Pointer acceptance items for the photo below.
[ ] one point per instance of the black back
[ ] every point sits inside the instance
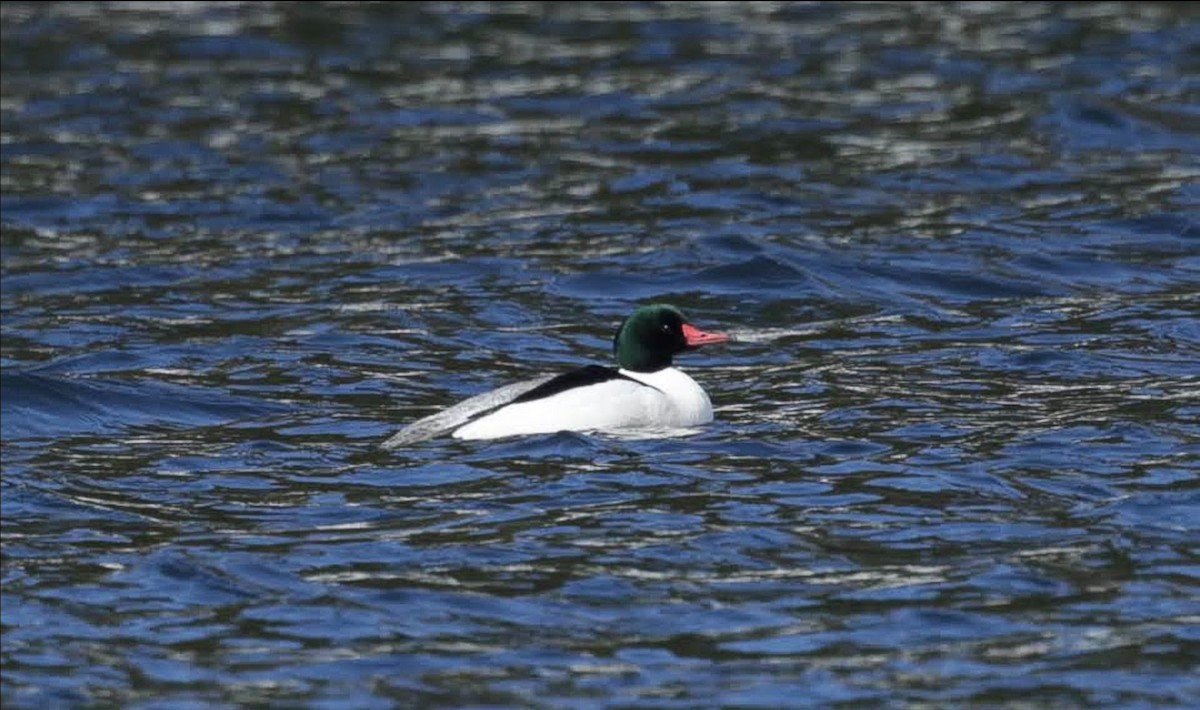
(581, 377)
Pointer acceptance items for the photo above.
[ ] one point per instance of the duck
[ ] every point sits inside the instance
(645, 391)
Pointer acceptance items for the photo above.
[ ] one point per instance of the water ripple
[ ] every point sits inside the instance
(955, 454)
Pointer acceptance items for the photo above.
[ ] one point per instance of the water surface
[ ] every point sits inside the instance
(956, 453)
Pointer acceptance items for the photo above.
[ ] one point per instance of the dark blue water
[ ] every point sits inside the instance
(956, 455)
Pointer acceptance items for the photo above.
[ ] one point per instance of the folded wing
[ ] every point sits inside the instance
(461, 413)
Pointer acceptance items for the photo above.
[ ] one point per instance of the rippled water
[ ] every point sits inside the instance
(956, 454)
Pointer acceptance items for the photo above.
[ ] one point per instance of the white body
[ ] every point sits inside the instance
(672, 400)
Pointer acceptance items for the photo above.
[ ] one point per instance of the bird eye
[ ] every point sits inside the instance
(666, 327)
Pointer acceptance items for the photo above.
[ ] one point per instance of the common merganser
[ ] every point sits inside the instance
(644, 392)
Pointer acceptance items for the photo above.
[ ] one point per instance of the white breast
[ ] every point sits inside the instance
(667, 398)
(689, 402)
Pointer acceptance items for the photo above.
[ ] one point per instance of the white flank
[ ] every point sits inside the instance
(672, 399)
